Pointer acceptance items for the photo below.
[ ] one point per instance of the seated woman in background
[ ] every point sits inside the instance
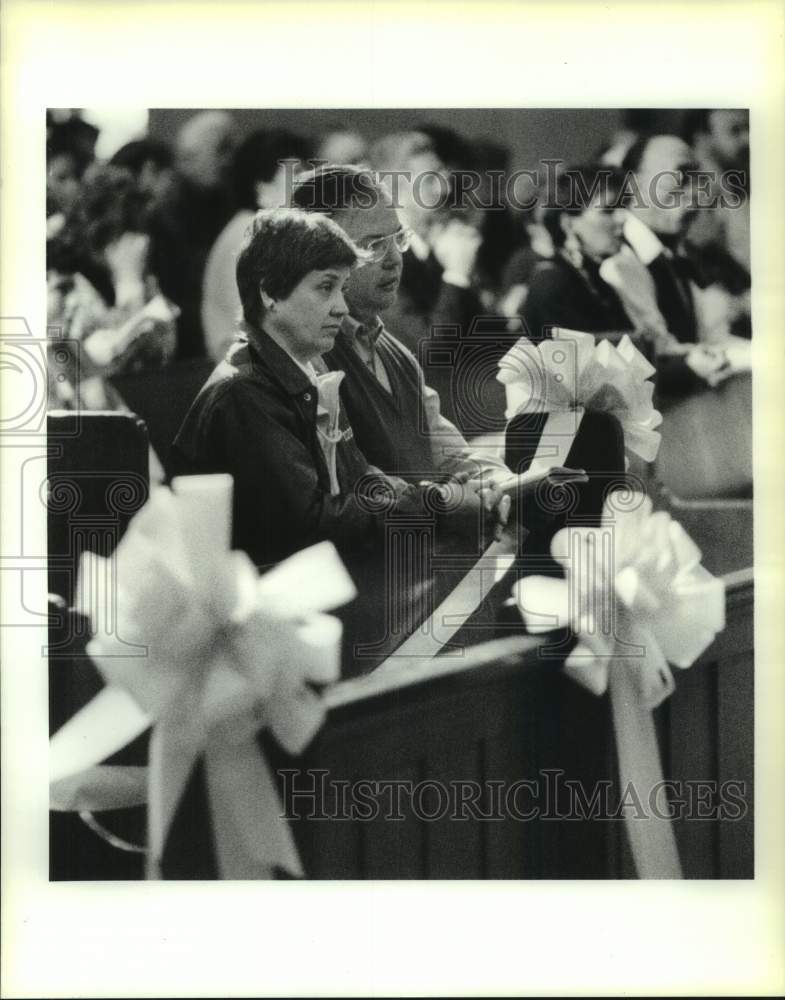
(584, 221)
(104, 309)
(535, 247)
(585, 225)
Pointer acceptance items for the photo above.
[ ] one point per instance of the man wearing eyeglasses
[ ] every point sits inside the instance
(395, 416)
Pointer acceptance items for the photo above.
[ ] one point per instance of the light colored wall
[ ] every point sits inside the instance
(531, 133)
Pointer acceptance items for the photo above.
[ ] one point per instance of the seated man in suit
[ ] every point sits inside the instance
(659, 285)
(721, 140)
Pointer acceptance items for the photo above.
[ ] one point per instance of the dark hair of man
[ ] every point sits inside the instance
(576, 188)
(134, 155)
(74, 139)
(634, 155)
(258, 158)
(456, 152)
(337, 187)
(282, 246)
(108, 205)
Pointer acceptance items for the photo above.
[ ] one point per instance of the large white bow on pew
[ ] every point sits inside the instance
(561, 377)
(571, 373)
(191, 640)
(638, 599)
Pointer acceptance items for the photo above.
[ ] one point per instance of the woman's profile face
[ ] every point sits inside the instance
(309, 318)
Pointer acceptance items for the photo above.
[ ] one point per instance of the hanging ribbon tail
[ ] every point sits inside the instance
(100, 788)
(252, 838)
(558, 435)
(171, 759)
(651, 672)
(651, 838)
(434, 634)
(294, 718)
(105, 725)
(667, 608)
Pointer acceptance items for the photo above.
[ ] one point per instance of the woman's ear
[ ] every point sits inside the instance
(267, 300)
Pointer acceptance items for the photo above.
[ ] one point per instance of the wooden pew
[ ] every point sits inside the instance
(520, 719)
(721, 528)
(97, 480)
(706, 449)
(162, 398)
(514, 719)
(706, 733)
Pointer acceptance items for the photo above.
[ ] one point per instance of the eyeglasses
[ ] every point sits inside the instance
(376, 250)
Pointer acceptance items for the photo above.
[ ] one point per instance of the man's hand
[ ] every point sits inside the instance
(494, 501)
(710, 363)
(463, 497)
(535, 497)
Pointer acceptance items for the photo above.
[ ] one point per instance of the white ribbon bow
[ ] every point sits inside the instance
(571, 373)
(193, 642)
(638, 600)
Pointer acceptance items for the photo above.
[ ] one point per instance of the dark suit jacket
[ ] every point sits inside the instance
(432, 318)
(561, 294)
(672, 276)
(183, 229)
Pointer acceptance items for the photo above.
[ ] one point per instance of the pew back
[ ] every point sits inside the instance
(162, 399)
(98, 478)
(455, 746)
(706, 446)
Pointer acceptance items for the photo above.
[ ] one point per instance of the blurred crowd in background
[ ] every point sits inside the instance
(142, 239)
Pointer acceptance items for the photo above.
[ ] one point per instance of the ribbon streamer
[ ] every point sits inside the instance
(434, 634)
(192, 642)
(328, 422)
(637, 598)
